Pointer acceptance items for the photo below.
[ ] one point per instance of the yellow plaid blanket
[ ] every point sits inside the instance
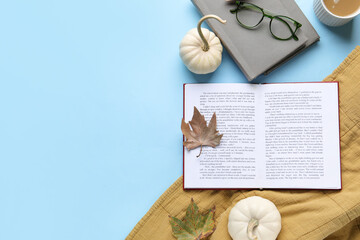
(310, 215)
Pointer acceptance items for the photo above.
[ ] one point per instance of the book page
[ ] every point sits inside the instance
(232, 164)
(302, 145)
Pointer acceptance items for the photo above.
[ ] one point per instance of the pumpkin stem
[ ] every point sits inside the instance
(253, 223)
(206, 44)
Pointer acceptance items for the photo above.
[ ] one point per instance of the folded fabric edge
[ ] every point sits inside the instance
(344, 64)
(334, 224)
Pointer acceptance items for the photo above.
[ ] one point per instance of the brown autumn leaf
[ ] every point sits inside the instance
(201, 134)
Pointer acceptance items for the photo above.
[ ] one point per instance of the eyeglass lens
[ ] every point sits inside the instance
(279, 27)
(249, 15)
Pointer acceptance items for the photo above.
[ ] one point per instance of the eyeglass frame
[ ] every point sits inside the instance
(272, 17)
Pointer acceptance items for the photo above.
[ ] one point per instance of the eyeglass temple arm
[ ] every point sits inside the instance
(256, 8)
(248, 7)
(271, 14)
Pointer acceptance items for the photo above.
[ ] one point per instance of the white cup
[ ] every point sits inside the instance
(330, 19)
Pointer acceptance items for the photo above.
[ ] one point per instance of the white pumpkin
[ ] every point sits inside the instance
(254, 218)
(200, 49)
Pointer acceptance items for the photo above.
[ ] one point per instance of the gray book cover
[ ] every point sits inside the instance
(256, 51)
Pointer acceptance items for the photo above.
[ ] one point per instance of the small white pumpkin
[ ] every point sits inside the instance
(254, 218)
(201, 53)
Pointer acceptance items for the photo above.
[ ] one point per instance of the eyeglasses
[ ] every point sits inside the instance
(250, 16)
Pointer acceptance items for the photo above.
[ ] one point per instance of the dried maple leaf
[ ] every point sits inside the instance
(195, 225)
(201, 134)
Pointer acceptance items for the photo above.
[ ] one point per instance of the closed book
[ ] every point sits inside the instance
(256, 51)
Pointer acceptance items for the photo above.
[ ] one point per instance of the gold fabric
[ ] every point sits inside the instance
(306, 214)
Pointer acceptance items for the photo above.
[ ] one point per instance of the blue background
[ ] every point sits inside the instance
(91, 105)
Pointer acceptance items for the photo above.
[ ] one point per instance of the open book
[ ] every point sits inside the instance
(283, 135)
